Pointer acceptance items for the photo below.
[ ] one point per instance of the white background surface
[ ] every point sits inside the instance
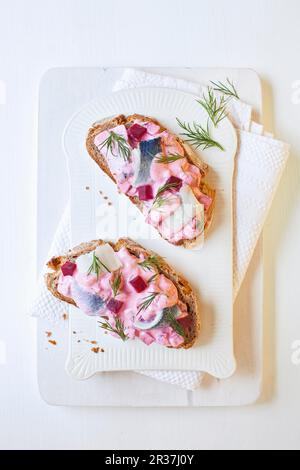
(34, 36)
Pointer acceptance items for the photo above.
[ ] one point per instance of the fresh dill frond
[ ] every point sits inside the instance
(150, 263)
(166, 159)
(166, 187)
(148, 301)
(169, 317)
(119, 329)
(227, 88)
(117, 141)
(159, 200)
(152, 278)
(215, 108)
(116, 283)
(97, 266)
(198, 136)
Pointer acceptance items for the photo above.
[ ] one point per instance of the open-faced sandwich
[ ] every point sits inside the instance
(132, 291)
(160, 173)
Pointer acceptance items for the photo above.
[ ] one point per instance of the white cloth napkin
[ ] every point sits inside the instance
(260, 163)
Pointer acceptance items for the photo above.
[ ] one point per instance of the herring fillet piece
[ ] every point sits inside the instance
(185, 213)
(105, 254)
(92, 302)
(148, 150)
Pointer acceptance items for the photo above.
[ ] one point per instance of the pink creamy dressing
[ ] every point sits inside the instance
(168, 297)
(124, 173)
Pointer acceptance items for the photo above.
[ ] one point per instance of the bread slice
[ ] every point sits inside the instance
(194, 159)
(185, 291)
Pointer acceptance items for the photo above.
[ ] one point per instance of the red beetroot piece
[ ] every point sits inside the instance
(139, 284)
(68, 268)
(136, 132)
(176, 181)
(186, 322)
(145, 193)
(115, 305)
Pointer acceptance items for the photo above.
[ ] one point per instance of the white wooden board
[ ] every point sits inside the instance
(63, 91)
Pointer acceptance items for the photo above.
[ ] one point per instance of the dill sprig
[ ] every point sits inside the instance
(215, 108)
(148, 301)
(97, 266)
(116, 284)
(198, 136)
(115, 140)
(159, 199)
(119, 329)
(169, 317)
(166, 159)
(150, 263)
(227, 88)
(152, 278)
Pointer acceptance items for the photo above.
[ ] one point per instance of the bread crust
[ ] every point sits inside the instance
(185, 291)
(100, 160)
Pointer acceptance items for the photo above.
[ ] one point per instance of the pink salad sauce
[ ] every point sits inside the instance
(126, 173)
(80, 287)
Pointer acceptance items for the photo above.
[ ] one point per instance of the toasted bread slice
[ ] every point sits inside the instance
(185, 291)
(194, 159)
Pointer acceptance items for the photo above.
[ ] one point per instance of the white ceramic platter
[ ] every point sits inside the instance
(207, 268)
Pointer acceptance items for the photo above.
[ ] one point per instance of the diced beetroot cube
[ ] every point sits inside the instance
(115, 305)
(186, 322)
(176, 181)
(136, 132)
(139, 284)
(133, 143)
(145, 193)
(68, 268)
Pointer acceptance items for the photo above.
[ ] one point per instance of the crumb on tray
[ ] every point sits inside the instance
(97, 350)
